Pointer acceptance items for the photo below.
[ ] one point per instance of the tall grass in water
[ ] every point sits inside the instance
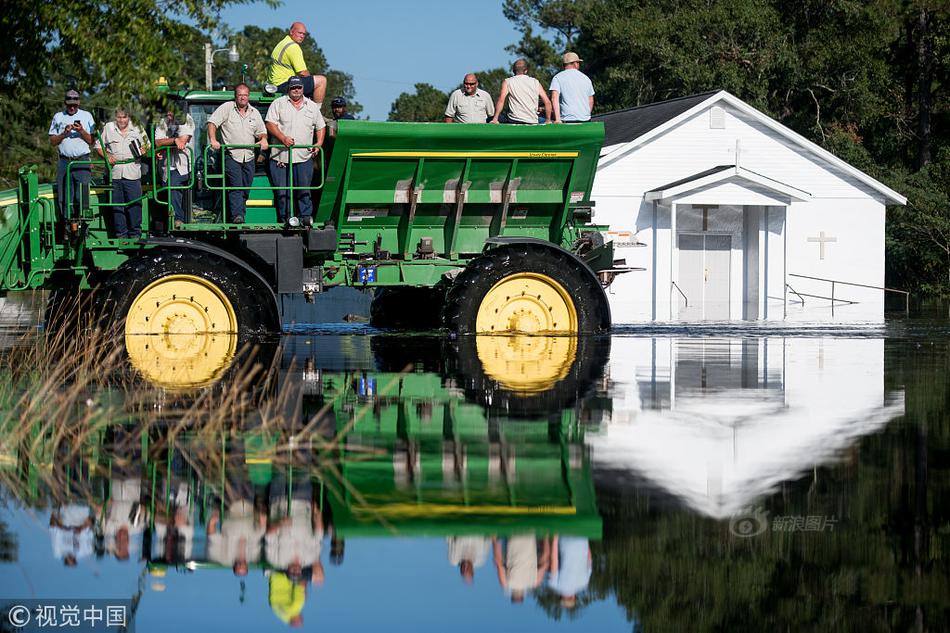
(63, 390)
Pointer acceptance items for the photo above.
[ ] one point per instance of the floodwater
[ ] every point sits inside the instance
(670, 478)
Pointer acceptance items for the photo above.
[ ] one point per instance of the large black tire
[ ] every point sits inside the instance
(185, 315)
(68, 310)
(253, 305)
(465, 296)
(407, 308)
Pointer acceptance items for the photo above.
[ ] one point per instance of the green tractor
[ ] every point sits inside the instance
(475, 228)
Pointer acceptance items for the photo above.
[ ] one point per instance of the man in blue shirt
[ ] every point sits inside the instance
(71, 133)
(572, 93)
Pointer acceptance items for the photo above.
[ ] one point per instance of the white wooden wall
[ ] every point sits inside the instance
(839, 205)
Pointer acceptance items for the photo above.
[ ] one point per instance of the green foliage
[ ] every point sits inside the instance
(427, 103)
(114, 53)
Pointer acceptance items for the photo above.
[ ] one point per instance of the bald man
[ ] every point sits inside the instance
(469, 104)
(287, 61)
(522, 94)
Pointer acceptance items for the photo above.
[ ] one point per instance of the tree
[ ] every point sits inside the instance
(427, 103)
(114, 53)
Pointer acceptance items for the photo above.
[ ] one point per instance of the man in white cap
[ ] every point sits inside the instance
(572, 93)
(71, 134)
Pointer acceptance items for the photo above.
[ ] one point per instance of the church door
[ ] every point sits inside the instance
(704, 277)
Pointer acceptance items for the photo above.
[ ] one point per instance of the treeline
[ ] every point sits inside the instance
(115, 53)
(866, 79)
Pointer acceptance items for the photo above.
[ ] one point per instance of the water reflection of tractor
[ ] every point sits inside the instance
(490, 226)
(403, 454)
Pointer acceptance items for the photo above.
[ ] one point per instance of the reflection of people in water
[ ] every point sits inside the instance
(70, 528)
(292, 544)
(236, 540)
(468, 553)
(293, 539)
(570, 568)
(519, 568)
(174, 528)
(286, 597)
(125, 518)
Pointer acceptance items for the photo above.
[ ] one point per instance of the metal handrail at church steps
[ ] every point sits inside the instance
(833, 282)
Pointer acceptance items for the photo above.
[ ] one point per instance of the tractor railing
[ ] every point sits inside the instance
(838, 282)
(89, 208)
(29, 243)
(217, 180)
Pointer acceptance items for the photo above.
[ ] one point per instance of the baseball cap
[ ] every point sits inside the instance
(295, 82)
(338, 102)
(72, 97)
(570, 58)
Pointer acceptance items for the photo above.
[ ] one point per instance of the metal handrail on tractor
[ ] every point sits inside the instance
(849, 283)
(224, 187)
(107, 166)
(682, 294)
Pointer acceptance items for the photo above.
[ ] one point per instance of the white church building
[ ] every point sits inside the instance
(731, 215)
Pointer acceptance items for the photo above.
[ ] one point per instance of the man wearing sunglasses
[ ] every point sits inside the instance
(287, 61)
(292, 120)
(469, 104)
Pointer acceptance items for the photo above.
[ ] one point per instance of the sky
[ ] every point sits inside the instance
(389, 46)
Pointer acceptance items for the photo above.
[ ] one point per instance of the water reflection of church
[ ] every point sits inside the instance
(717, 423)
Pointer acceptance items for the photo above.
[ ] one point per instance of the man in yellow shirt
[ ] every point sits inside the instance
(287, 61)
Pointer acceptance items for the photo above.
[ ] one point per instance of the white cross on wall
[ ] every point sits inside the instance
(822, 239)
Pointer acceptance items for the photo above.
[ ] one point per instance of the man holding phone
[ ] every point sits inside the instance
(71, 133)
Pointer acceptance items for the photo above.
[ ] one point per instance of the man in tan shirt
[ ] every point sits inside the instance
(469, 104)
(522, 93)
(240, 124)
(293, 120)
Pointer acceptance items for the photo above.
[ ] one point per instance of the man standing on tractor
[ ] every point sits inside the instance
(175, 131)
(338, 108)
(522, 94)
(292, 120)
(124, 144)
(71, 133)
(287, 61)
(240, 124)
(572, 93)
(469, 104)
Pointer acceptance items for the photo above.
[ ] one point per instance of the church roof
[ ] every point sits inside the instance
(625, 125)
(626, 130)
(722, 173)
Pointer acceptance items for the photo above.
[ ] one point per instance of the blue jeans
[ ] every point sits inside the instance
(79, 177)
(178, 195)
(280, 176)
(127, 218)
(238, 175)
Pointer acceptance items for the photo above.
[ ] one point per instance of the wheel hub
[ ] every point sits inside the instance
(181, 304)
(181, 332)
(530, 303)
